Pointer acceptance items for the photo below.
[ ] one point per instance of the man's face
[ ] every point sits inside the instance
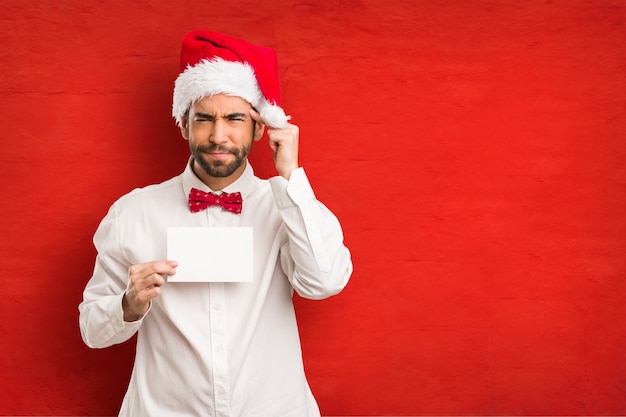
(220, 132)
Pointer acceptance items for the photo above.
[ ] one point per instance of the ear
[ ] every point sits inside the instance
(259, 129)
(184, 127)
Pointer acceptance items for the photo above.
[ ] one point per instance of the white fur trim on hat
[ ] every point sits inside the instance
(218, 76)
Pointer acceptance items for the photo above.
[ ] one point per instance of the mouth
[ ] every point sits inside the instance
(219, 155)
(215, 152)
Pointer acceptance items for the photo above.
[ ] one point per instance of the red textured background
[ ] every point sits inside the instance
(490, 269)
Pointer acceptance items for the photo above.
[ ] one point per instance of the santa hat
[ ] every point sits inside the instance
(213, 63)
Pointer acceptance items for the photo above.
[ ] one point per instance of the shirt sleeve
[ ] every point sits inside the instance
(315, 258)
(101, 316)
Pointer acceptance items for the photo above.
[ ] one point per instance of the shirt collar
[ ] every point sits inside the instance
(243, 184)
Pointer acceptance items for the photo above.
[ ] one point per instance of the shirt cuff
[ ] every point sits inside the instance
(294, 191)
(117, 316)
(112, 321)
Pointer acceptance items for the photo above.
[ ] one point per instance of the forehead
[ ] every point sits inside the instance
(221, 103)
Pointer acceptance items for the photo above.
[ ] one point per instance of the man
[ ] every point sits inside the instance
(217, 348)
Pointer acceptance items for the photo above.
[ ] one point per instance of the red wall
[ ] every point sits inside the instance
(473, 150)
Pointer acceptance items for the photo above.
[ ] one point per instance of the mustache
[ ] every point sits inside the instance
(217, 148)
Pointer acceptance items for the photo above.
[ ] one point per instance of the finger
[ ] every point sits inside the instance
(284, 140)
(154, 280)
(287, 134)
(142, 289)
(274, 144)
(256, 116)
(148, 294)
(155, 267)
(149, 287)
(143, 297)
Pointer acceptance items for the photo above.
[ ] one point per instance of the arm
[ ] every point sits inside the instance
(101, 316)
(315, 259)
(117, 296)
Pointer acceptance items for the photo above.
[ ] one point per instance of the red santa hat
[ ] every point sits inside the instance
(213, 63)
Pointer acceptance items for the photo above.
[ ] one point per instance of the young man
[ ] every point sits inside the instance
(217, 348)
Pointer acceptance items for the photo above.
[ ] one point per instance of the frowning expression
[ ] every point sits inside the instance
(220, 132)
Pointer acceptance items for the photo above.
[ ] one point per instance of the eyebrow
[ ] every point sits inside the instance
(229, 116)
(235, 115)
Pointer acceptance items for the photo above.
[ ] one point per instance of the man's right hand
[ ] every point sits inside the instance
(144, 284)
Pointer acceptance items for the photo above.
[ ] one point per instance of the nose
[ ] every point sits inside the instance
(218, 133)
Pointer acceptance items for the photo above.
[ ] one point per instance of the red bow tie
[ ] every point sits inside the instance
(199, 200)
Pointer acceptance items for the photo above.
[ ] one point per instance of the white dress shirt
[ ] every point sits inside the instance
(217, 349)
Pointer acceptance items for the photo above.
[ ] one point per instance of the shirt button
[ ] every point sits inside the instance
(221, 390)
(217, 307)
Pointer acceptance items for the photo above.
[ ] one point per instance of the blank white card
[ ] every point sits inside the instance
(210, 254)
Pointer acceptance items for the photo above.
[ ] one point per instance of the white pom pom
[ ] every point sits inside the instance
(274, 116)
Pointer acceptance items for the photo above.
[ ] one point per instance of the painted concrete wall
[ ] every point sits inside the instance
(473, 150)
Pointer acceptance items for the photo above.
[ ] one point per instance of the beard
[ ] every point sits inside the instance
(219, 168)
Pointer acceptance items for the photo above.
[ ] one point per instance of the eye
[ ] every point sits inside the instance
(236, 117)
(202, 117)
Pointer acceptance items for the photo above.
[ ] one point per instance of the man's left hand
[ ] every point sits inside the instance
(284, 143)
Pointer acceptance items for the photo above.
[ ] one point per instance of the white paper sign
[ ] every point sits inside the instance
(210, 254)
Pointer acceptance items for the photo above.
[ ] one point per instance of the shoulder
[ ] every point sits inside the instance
(170, 190)
(260, 190)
